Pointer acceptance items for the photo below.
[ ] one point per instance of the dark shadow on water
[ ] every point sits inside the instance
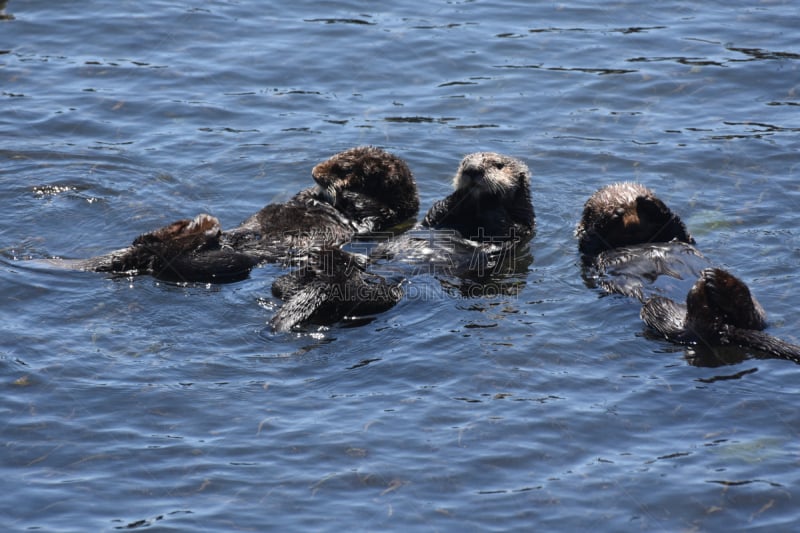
(714, 356)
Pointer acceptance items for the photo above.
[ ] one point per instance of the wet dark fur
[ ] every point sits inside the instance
(471, 232)
(630, 238)
(184, 249)
(717, 302)
(719, 311)
(623, 214)
(360, 190)
(330, 286)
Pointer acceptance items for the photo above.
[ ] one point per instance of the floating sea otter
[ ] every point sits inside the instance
(471, 233)
(468, 234)
(360, 190)
(633, 244)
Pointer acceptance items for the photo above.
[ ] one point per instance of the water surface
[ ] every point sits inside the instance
(133, 404)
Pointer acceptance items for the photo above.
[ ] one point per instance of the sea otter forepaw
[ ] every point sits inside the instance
(721, 287)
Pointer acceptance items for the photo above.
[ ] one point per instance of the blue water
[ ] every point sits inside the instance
(135, 404)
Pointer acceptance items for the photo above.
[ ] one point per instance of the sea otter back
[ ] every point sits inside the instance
(209, 266)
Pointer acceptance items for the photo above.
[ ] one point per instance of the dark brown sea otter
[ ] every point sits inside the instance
(719, 311)
(184, 250)
(360, 190)
(632, 243)
(468, 234)
(626, 214)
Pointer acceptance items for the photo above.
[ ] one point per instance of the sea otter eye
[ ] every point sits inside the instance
(499, 165)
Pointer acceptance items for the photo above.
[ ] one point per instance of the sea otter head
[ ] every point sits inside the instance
(368, 182)
(492, 174)
(625, 214)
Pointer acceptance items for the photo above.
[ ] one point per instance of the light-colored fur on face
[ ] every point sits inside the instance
(489, 172)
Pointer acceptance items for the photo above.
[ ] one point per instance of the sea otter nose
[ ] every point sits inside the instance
(472, 173)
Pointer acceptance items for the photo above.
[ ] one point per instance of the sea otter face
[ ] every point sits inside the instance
(372, 172)
(625, 214)
(489, 173)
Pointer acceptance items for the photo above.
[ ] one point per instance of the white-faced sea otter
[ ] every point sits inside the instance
(485, 223)
(468, 234)
(633, 244)
(360, 190)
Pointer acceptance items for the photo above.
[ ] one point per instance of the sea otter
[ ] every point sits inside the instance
(629, 238)
(624, 214)
(186, 249)
(492, 197)
(469, 234)
(719, 311)
(633, 244)
(478, 228)
(357, 191)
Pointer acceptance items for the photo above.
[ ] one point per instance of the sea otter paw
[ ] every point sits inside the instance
(731, 298)
(201, 228)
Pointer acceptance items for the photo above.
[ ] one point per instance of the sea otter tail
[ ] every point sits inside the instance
(300, 308)
(763, 342)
